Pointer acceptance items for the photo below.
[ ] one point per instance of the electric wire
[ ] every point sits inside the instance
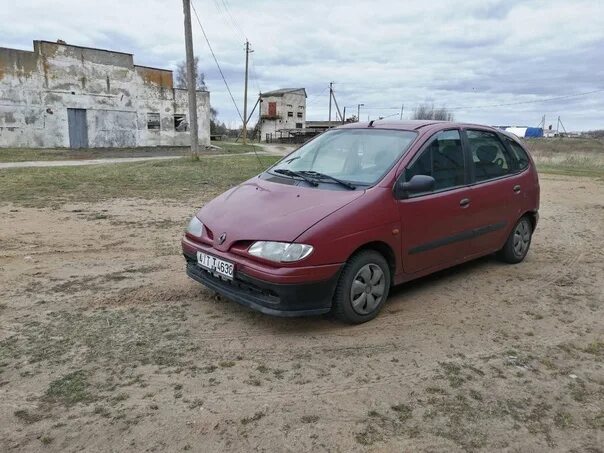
(535, 101)
(216, 61)
(224, 79)
(233, 20)
(254, 73)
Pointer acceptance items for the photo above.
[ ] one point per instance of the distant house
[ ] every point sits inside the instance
(523, 131)
(61, 95)
(281, 112)
(320, 126)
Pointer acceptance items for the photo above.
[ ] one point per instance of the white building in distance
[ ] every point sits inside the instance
(282, 111)
(62, 95)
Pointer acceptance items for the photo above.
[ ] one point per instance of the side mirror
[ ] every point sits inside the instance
(417, 184)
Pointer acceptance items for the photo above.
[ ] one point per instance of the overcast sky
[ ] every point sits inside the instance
(464, 55)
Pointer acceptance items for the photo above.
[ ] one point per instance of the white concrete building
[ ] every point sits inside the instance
(282, 111)
(62, 95)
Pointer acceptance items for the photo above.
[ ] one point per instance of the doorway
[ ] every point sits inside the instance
(78, 128)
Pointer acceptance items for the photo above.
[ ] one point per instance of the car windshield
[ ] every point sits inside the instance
(358, 156)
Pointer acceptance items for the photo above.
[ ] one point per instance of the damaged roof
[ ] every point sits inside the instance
(282, 91)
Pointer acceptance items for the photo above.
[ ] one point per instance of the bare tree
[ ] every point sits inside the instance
(217, 127)
(180, 76)
(428, 112)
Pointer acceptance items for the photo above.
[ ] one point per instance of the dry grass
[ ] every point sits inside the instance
(166, 179)
(570, 156)
(32, 154)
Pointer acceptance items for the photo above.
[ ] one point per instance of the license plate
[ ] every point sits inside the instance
(218, 267)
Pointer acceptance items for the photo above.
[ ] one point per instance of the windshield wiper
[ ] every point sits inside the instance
(319, 175)
(286, 172)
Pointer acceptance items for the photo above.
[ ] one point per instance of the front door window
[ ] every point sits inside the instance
(442, 159)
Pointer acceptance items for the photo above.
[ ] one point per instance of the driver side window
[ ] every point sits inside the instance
(442, 159)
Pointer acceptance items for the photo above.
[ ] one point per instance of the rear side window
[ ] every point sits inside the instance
(489, 157)
(522, 159)
(442, 159)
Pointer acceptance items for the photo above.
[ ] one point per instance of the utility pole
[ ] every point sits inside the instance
(560, 123)
(344, 116)
(359, 111)
(402, 108)
(542, 123)
(247, 55)
(335, 101)
(191, 76)
(330, 92)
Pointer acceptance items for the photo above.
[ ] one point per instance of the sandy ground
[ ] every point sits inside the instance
(106, 345)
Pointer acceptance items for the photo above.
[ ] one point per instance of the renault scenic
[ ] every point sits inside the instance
(360, 208)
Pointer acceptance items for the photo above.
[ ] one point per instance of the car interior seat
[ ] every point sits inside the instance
(486, 168)
(448, 166)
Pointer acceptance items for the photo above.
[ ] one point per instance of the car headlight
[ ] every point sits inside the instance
(280, 251)
(195, 227)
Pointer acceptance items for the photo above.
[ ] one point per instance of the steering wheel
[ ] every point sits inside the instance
(499, 161)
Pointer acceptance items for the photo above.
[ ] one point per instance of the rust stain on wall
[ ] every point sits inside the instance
(158, 77)
(18, 62)
(117, 95)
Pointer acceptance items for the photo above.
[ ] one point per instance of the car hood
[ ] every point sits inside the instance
(264, 210)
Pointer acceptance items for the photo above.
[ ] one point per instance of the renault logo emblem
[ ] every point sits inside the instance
(222, 238)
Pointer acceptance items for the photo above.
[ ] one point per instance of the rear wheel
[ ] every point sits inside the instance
(517, 245)
(363, 287)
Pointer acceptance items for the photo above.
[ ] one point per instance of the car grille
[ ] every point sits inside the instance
(237, 284)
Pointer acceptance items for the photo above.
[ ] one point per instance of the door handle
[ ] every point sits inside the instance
(464, 202)
(517, 188)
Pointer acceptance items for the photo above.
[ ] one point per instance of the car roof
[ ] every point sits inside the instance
(407, 125)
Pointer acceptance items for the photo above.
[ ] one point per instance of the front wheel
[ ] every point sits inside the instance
(517, 245)
(363, 287)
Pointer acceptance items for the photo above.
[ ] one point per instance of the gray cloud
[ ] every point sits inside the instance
(381, 53)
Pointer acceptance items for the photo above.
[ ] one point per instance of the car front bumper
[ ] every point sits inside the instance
(280, 294)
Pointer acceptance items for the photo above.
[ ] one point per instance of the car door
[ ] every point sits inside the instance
(435, 224)
(497, 196)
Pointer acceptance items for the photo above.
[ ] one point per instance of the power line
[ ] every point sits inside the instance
(224, 79)
(233, 20)
(255, 74)
(381, 108)
(528, 102)
(317, 96)
(216, 61)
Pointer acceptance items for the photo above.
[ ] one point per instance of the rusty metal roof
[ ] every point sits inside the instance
(282, 91)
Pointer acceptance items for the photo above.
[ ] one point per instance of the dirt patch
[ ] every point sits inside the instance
(106, 345)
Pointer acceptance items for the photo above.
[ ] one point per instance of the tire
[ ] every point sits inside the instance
(518, 243)
(369, 273)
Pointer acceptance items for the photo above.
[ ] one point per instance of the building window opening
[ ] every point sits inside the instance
(300, 114)
(153, 121)
(290, 114)
(298, 125)
(180, 123)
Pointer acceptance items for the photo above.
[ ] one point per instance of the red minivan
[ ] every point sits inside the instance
(362, 207)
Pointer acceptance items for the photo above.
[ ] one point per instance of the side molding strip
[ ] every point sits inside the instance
(463, 236)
